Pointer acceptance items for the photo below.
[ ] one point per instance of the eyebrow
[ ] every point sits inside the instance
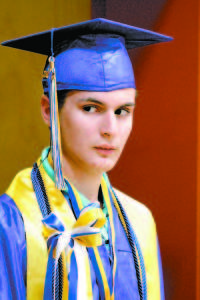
(130, 104)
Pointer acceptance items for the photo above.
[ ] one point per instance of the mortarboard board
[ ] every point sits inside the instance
(90, 56)
(90, 46)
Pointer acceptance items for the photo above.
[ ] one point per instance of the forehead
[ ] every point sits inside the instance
(115, 97)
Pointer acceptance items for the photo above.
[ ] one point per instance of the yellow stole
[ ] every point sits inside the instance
(21, 191)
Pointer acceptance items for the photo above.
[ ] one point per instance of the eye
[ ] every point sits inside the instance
(122, 112)
(90, 108)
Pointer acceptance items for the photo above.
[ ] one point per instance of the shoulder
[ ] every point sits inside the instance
(20, 184)
(141, 221)
(144, 228)
(12, 227)
(9, 211)
(8, 208)
(145, 234)
(21, 178)
(12, 250)
(137, 211)
(11, 221)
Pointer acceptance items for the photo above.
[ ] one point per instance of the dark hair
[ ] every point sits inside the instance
(61, 97)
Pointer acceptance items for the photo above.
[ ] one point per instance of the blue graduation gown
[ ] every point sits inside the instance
(13, 258)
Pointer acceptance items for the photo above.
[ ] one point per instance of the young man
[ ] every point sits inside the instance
(65, 232)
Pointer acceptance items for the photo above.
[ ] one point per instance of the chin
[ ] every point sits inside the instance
(105, 166)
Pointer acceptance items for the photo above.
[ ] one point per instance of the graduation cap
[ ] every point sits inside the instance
(90, 56)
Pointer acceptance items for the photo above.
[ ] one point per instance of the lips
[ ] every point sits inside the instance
(105, 150)
(105, 147)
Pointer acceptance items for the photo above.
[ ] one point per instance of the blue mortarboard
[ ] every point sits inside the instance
(90, 56)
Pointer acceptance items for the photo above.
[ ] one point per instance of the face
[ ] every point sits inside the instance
(95, 127)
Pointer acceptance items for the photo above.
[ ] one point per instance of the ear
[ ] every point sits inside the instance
(45, 109)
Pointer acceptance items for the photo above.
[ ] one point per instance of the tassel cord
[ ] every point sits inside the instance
(55, 126)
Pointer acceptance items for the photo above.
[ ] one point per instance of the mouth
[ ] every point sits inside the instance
(105, 149)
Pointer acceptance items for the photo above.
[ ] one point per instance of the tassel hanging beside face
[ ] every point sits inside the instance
(55, 126)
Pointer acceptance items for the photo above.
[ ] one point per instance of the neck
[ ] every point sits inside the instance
(86, 182)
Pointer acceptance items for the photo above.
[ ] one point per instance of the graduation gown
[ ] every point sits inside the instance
(23, 250)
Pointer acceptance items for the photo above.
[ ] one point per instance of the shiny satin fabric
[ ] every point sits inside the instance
(144, 226)
(94, 63)
(13, 264)
(14, 274)
(12, 251)
(90, 55)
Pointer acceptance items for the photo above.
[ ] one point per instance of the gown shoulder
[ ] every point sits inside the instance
(12, 251)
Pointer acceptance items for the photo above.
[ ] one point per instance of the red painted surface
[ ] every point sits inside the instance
(159, 165)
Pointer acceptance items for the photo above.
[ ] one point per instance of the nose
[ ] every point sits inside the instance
(109, 124)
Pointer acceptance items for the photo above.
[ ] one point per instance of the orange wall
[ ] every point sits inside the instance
(198, 177)
(159, 166)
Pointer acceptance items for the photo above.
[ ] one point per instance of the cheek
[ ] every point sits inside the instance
(76, 132)
(126, 131)
(70, 124)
